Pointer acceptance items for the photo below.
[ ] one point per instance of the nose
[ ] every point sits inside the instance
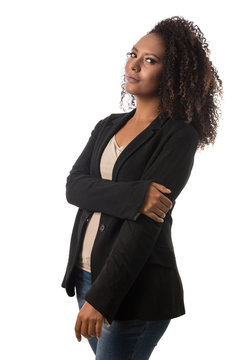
(135, 66)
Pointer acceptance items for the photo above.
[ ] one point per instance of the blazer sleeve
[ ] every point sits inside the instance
(102, 195)
(136, 239)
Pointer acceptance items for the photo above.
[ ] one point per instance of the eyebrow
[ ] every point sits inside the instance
(146, 53)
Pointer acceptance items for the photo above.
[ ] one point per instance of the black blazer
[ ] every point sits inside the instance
(133, 265)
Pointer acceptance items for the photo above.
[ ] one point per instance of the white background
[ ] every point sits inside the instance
(61, 65)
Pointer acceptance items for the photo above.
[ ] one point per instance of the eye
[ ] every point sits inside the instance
(130, 53)
(153, 61)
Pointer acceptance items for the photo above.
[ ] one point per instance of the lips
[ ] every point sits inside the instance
(131, 78)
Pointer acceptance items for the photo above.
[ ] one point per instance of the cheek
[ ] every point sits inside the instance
(152, 80)
(154, 76)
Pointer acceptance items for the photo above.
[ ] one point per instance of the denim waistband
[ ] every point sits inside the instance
(83, 274)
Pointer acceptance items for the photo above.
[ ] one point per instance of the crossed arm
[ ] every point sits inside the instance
(88, 192)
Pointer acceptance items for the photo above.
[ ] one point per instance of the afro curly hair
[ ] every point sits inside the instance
(190, 86)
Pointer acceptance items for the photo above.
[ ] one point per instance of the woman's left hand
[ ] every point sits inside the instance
(88, 318)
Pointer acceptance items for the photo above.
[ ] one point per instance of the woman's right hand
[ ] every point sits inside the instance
(155, 204)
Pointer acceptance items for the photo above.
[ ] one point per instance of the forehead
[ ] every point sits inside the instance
(151, 43)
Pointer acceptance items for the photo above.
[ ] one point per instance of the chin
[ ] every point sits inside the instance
(130, 90)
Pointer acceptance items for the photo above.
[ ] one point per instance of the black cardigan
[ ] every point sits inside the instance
(133, 265)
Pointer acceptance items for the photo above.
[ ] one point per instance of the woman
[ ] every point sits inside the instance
(125, 184)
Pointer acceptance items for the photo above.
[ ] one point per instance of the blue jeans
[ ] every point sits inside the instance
(125, 339)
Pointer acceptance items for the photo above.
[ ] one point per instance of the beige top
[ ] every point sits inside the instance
(108, 159)
(109, 156)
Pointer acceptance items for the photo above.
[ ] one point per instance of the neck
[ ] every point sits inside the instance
(146, 110)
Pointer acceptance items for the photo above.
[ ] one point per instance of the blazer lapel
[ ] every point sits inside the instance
(115, 124)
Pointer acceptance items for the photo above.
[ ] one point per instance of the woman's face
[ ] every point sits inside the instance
(144, 66)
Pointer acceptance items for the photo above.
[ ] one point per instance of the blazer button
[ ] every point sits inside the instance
(102, 227)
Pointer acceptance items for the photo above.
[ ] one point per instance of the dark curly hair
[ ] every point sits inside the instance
(190, 86)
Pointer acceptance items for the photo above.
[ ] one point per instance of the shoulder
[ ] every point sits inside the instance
(100, 124)
(110, 118)
(178, 128)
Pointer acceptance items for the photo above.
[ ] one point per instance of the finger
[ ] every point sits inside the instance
(162, 207)
(164, 198)
(157, 205)
(78, 329)
(160, 213)
(84, 328)
(91, 329)
(99, 325)
(155, 217)
(166, 202)
(161, 187)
